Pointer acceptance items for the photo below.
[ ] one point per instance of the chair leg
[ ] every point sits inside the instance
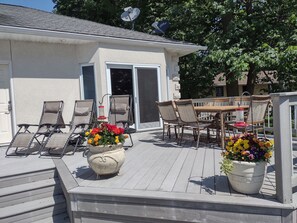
(181, 136)
(198, 139)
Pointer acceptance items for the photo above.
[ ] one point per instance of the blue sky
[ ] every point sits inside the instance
(45, 5)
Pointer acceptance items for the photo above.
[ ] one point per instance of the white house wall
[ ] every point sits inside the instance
(134, 56)
(42, 71)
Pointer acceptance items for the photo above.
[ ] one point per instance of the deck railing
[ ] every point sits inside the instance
(284, 110)
(244, 100)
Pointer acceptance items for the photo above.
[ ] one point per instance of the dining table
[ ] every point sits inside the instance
(222, 111)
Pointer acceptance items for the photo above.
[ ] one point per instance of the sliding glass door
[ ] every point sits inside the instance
(143, 83)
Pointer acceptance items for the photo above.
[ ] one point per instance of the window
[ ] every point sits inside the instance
(220, 91)
(88, 79)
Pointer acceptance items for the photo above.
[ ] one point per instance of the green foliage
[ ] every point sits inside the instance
(226, 166)
(241, 36)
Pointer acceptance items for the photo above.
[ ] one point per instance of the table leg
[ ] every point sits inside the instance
(222, 122)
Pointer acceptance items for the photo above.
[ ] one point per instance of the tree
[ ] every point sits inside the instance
(241, 36)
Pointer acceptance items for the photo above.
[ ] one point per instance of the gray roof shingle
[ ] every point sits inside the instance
(23, 17)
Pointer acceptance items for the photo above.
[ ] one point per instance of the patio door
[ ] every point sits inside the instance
(5, 106)
(142, 83)
(147, 91)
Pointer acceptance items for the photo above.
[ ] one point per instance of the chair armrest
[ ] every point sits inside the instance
(25, 125)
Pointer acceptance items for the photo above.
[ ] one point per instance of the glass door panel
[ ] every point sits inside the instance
(147, 87)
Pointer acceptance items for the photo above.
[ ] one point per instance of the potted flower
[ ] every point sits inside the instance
(106, 154)
(244, 161)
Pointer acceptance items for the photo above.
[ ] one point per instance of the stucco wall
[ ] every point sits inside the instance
(134, 56)
(43, 71)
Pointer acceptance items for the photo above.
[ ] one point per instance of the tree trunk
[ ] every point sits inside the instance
(251, 79)
(231, 85)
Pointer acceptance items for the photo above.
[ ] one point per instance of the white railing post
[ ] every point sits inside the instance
(283, 144)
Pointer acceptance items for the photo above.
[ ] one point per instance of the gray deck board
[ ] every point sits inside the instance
(172, 176)
(185, 173)
(195, 179)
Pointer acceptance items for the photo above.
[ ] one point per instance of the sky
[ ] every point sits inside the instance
(45, 5)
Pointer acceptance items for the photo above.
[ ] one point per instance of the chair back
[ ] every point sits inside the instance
(257, 109)
(120, 110)
(167, 111)
(83, 112)
(52, 113)
(186, 111)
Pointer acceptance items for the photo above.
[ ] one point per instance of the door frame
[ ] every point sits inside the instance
(133, 67)
(11, 95)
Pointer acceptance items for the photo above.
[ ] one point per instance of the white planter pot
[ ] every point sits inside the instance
(106, 160)
(247, 177)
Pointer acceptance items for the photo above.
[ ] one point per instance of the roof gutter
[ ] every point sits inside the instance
(181, 48)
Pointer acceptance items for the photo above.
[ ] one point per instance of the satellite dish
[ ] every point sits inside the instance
(130, 14)
(160, 27)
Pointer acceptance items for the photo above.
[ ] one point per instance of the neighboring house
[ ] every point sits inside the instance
(262, 87)
(44, 56)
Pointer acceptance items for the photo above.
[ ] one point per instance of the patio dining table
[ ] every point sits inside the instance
(222, 111)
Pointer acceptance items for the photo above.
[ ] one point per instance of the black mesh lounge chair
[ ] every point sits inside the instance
(120, 114)
(24, 138)
(82, 119)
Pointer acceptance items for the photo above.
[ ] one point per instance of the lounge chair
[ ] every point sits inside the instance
(24, 138)
(120, 114)
(82, 119)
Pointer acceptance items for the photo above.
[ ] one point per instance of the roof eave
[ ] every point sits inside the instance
(178, 48)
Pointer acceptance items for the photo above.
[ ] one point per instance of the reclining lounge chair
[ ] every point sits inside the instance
(24, 138)
(120, 114)
(82, 120)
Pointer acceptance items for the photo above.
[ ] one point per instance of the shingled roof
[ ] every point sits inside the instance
(23, 17)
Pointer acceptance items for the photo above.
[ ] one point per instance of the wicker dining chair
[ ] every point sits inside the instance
(169, 117)
(255, 118)
(189, 119)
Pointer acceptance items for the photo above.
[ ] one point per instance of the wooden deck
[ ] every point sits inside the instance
(157, 165)
(161, 181)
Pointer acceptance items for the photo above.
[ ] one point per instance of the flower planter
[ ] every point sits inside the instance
(247, 177)
(105, 160)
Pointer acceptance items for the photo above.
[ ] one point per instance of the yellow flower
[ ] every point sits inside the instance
(261, 144)
(230, 143)
(246, 141)
(90, 141)
(246, 146)
(117, 139)
(87, 133)
(268, 144)
(240, 148)
(268, 155)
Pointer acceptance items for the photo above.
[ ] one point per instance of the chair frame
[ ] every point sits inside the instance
(47, 128)
(168, 113)
(73, 127)
(189, 119)
(125, 122)
(253, 124)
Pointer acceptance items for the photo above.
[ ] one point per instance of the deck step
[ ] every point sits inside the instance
(17, 179)
(29, 191)
(30, 209)
(60, 218)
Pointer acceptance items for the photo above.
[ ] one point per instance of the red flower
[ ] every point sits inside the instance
(95, 131)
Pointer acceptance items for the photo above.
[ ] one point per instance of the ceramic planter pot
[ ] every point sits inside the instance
(105, 160)
(247, 177)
